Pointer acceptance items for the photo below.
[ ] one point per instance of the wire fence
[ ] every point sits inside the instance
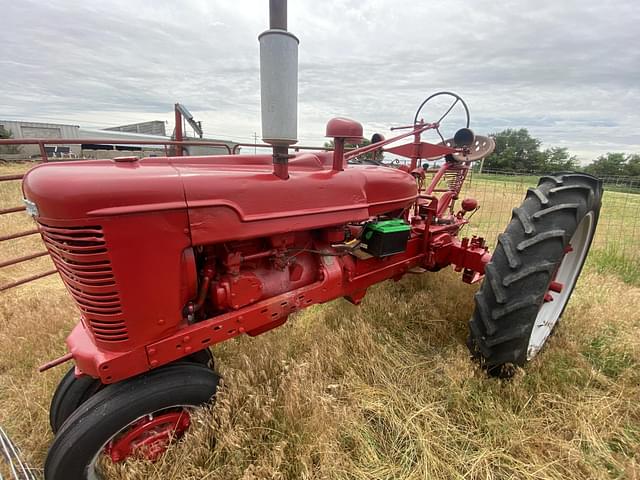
(499, 192)
(22, 256)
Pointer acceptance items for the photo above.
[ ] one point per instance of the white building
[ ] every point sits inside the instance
(92, 148)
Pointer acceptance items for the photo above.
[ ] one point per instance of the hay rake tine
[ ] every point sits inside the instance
(11, 454)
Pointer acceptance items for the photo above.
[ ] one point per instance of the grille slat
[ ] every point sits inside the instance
(86, 257)
(79, 267)
(87, 287)
(114, 319)
(115, 331)
(98, 278)
(97, 296)
(111, 305)
(85, 239)
(81, 231)
(81, 256)
(66, 248)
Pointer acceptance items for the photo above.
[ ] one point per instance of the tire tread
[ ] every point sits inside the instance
(527, 254)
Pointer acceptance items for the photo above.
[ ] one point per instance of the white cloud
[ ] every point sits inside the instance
(564, 70)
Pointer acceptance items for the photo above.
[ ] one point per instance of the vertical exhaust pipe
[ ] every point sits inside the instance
(279, 87)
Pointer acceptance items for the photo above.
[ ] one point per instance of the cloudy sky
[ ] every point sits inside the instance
(568, 70)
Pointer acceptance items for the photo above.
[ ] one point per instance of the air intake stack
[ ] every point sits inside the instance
(279, 86)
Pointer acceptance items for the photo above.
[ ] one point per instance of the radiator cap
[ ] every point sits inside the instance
(345, 128)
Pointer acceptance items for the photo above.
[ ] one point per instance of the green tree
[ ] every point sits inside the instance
(367, 156)
(557, 159)
(633, 165)
(516, 150)
(8, 149)
(611, 164)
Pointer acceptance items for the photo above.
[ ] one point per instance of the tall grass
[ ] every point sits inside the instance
(386, 390)
(381, 391)
(610, 260)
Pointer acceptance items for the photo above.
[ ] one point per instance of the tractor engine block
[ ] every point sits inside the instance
(237, 274)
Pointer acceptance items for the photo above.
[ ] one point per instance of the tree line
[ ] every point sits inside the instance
(516, 150)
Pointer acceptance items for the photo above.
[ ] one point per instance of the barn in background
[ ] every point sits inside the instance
(154, 130)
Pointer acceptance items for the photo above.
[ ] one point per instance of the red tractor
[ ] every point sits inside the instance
(166, 257)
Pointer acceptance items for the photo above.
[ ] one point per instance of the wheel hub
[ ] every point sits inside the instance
(149, 437)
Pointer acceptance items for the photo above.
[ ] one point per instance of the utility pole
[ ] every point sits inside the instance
(255, 143)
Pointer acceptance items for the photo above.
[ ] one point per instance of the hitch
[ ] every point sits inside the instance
(55, 363)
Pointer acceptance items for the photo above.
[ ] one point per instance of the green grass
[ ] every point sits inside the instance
(611, 261)
(502, 177)
(623, 186)
(604, 352)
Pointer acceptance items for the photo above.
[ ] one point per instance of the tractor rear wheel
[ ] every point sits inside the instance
(73, 391)
(138, 417)
(533, 271)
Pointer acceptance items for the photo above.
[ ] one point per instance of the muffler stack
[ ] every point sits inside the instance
(279, 86)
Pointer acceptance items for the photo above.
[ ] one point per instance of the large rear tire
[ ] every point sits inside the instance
(542, 250)
(135, 417)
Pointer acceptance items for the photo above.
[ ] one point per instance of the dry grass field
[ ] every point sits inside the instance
(381, 391)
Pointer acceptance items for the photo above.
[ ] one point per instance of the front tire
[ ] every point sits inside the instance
(542, 250)
(118, 413)
(73, 391)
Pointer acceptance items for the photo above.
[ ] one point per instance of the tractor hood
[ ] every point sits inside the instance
(241, 185)
(81, 189)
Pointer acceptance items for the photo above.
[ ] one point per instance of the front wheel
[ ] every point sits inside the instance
(533, 271)
(137, 417)
(73, 391)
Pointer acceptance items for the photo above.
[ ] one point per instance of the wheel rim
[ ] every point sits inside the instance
(147, 437)
(561, 285)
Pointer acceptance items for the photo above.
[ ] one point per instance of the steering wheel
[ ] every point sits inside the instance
(457, 98)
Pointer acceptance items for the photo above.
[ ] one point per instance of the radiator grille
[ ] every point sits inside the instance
(81, 257)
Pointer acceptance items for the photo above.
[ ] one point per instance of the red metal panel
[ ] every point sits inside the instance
(147, 185)
(127, 282)
(251, 202)
(125, 250)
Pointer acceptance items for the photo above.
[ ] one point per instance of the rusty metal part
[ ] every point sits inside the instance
(12, 456)
(22, 281)
(24, 258)
(278, 14)
(55, 363)
(13, 236)
(481, 148)
(4, 211)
